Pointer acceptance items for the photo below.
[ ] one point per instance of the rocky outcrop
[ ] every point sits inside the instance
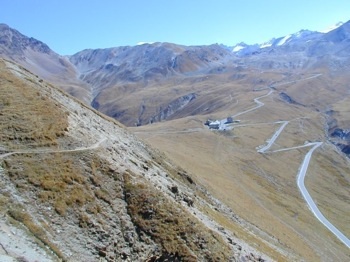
(341, 139)
(13, 43)
(336, 135)
(344, 148)
(285, 97)
(37, 57)
(341, 134)
(173, 107)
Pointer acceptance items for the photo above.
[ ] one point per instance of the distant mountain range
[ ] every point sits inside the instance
(104, 78)
(301, 37)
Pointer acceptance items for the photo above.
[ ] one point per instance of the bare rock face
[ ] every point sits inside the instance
(173, 107)
(341, 138)
(285, 97)
(340, 133)
(37, 57)
(13, 43)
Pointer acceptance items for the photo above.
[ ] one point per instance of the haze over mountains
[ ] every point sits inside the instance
(121, 81)
(101, 77)
(285, 95)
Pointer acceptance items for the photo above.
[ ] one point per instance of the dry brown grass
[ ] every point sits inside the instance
(53, 177)
(245, 235)
(342, 113)
(79, 186)
(60, 180)
(63, 183)
(27, 118)
(214, 93)
(179, 234)
(262, 188)
(329, 185)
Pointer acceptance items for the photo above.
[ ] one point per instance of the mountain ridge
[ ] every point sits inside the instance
(41, 60)
(244, 49)
(94, 75)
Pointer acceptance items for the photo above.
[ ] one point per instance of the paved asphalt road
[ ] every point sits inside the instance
(309, 200)
(274, 137)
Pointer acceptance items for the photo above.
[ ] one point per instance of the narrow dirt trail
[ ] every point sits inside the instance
(79, 149)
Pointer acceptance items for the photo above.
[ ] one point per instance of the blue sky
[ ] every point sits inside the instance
(71, 26)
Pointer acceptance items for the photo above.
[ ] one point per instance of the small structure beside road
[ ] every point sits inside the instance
(214, 124)
(224, 124)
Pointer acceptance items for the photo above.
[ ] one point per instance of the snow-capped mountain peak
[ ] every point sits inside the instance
(267, 44)
(302, 35)
(276, 41)
(331, 28)
(239, 46)
(284, 40)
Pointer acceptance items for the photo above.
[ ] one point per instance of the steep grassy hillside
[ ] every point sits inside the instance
(76, 186)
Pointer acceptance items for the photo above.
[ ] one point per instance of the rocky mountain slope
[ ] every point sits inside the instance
(42, 61)
(77, 186)
(119, 74)
(145, 62)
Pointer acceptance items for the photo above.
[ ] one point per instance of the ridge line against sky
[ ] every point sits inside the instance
(71, 26)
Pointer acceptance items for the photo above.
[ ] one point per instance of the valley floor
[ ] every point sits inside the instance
(266, 185)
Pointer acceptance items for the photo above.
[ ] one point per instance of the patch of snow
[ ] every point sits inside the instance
(284, 40)
(331, 28)
(144, 43)
(237, 48)
(298, 34)
(264, 45)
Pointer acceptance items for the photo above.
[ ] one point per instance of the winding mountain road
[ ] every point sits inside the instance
(304, 166)
(256, 100)
(310, 202)
(274, 137)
